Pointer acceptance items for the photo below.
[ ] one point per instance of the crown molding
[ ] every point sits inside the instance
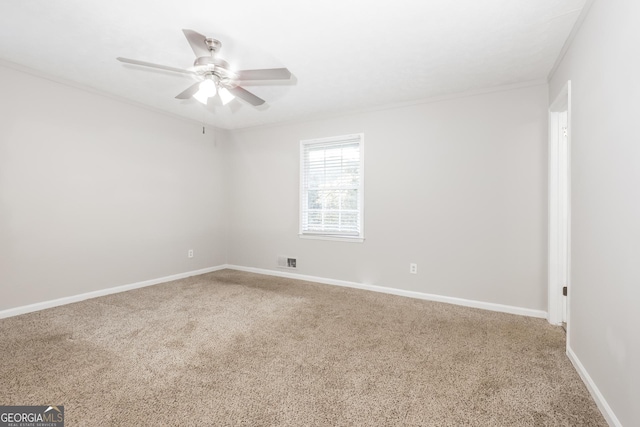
(398, 105)
(572, 35)
(89, 89)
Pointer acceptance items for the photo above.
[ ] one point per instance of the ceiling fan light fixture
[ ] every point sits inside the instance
(225, 95)
(200, 97)
(207, 88)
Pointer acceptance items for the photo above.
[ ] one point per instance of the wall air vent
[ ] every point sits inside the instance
(287, 262)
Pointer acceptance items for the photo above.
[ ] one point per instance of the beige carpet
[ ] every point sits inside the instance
(232, 348)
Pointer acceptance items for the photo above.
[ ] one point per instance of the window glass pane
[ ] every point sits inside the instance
(331, 221)
(331, 199)
(349, 199)
(314, 201)
(315, 219)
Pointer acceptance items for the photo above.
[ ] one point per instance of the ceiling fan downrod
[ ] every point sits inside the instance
(213, 45)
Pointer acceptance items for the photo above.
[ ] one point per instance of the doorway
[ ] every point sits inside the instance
(560, 208)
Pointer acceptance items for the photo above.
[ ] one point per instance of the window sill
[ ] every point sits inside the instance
(334, 238)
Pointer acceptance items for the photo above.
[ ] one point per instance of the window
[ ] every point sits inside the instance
(331, 188)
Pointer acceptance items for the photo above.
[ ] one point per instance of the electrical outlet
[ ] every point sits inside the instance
(413, 268)
(190, 253)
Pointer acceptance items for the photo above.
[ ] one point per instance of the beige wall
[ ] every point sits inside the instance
(456, 186)
(97, 193)
(603, 66)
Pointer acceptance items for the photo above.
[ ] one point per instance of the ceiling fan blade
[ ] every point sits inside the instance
(149, 64)
(247, 96)
(198, 43)
(264, 74)
(189, 92)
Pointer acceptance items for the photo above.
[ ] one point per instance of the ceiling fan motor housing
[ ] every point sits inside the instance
(217, 67)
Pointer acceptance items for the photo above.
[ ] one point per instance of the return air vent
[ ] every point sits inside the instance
(287, 262)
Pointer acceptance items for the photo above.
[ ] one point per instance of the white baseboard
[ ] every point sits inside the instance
(393, 291)
(604, 407)
(411, 294)
(75, 298)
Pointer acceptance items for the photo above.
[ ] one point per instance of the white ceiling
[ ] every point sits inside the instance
(345, 55)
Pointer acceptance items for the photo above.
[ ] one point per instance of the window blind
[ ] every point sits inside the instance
(331, 187)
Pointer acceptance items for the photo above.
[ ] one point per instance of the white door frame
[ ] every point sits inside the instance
(559, 208)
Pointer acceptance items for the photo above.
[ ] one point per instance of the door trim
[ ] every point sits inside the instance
(561, 104)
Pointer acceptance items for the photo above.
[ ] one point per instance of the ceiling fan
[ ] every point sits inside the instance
(215, 74)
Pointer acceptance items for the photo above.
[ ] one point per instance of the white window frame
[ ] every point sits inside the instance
(335, 237)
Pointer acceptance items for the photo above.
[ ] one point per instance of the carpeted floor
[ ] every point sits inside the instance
(232, 348)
